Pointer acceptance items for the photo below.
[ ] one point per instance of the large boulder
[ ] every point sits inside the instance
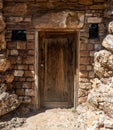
(108, 42)
(8, 102)
(103, 63)
(101, 96)
(92, 119)
(110, 27)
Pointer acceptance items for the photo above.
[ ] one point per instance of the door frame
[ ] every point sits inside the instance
(76, 75)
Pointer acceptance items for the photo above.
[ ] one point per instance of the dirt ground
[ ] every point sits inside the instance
(51, 119)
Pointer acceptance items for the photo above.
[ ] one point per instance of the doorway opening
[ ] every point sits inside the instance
(57, 68)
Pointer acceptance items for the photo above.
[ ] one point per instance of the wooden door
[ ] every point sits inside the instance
(56, 68)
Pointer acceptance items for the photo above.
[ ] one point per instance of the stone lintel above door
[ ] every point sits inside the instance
(59, 20)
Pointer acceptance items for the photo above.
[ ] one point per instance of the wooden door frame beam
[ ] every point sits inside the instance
(76, 73)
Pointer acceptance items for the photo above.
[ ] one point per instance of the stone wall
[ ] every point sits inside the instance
(87, 49)
(18, 15)
(8, 100)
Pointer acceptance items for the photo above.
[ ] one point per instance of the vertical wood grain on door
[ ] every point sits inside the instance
(57, 59)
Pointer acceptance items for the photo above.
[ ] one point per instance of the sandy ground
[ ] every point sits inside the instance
(52, 119)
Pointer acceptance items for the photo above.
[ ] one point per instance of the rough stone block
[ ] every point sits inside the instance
(83, 74)
(22, 67)
(91, 74)
(21, 45)
(29, 92)
(15, 19)
(9, 78)
(18, 73)
(27, 85)
(84, 53)
(84, 60)
(94, 20)
(29, 73)
(4, 65)
(90, 47)
(29, 60)
(14, 52)
(25, 99)
(62, 19)
(83, 47)
(20, 92)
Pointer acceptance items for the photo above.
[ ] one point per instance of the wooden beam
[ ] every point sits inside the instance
(37, 96)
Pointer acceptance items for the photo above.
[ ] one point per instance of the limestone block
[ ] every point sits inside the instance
(8, 102)
(9, 78)
(21, 45)
(63, 19)
(94, 20)
(18, 73)
(29, 92)
(15, 19)
(29, 60)
(27, 85)
(2, 42)
(108, 42)
(14, 52)
(4, 65)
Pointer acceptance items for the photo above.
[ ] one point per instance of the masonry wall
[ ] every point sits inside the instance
(18, 15)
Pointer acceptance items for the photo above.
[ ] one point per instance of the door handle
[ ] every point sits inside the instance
(42, 65)
(42, 58)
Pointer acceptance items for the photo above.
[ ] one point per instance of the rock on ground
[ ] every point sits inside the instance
(102, 96)
(8, 103)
